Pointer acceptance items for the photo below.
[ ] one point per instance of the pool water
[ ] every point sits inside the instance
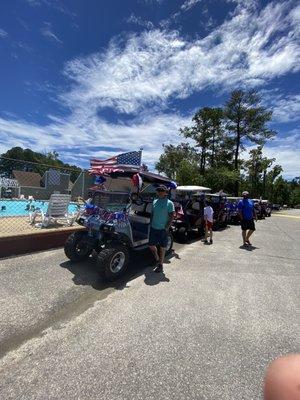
(17, 208)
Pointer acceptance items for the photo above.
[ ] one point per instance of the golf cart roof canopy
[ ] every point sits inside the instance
(192, 188)
(217, 194)
(95, 189)
(234, 198)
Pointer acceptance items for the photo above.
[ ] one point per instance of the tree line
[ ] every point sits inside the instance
(28, 160)
(216, 141)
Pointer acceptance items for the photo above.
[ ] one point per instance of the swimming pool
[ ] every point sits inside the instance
(17, 208)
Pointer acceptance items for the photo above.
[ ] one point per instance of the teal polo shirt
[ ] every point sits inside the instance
(160, 212)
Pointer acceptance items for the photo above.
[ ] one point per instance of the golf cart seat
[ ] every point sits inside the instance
(149, 208)
(137, 215)
(138, 208)
(196, 206)
(139, 224)
(135, 218)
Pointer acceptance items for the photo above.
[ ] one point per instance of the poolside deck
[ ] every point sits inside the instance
(20, 226)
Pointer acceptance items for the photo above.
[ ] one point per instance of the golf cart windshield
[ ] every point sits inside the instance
(216, 198)
(111, 201)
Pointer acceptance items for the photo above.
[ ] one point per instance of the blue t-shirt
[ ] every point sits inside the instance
(160, 212)
(246, 206)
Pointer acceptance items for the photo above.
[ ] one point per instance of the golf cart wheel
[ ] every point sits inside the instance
(76, 247)
(183, 235)
(113, 262)
(216, 226)
(201, 230)
(169, 247)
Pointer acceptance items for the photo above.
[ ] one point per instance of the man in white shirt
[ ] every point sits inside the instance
(208, 220)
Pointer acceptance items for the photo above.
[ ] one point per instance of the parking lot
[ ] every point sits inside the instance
(205, 329)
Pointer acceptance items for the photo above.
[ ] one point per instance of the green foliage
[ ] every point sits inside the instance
(281, 191)
(246, 119)
(221, 178)
(257, 167)
(188, 173)
(214, 161)
(295, 194)
(208, 133)
(170, 161)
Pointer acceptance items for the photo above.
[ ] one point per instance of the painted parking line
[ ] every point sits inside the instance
(286, 216)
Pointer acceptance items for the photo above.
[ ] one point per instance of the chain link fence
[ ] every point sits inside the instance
(34, 196)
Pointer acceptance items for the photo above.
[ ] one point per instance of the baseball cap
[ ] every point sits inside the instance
(245, 193)
(161, 188)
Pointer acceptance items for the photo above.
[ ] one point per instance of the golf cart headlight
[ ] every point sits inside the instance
(107, 228)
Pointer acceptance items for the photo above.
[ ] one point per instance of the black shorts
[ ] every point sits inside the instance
(158, 237)
(248, 224)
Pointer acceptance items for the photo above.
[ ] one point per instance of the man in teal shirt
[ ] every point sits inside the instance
(161, 219)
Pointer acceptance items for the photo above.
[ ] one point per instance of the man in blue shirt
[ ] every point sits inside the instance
(161, 219)
(247, 215)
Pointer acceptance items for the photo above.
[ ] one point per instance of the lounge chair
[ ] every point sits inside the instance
(57, 210)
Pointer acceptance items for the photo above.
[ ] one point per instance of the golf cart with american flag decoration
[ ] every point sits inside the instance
(116, 222)
(189, 206)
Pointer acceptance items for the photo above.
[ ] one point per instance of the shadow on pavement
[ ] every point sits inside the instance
(248, 248)
(85, 273)
(194, 236)
(152, 278)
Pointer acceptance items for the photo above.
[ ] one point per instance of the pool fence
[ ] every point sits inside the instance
(26, 188)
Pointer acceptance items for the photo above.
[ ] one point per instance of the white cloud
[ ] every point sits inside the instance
(133, 19)
(188, 4)
(85, 133)
(249, 49)
(47, 31)
(144, 71)
(81, 136)
(286, 108)
(3, 33)
(286, 151)
(54, 4)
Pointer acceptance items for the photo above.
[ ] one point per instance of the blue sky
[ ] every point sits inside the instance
(98, 77)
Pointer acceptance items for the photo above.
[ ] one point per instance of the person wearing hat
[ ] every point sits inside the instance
(161, 219)
(247, 214)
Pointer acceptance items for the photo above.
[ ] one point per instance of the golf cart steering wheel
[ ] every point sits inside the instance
(136, 199)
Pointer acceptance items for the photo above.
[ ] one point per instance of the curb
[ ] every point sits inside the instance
(22, 244)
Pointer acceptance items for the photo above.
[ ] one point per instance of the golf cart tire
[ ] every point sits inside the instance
(107, 262)
(71, 250)
(216, 226)
(169, 249)
(201, 231)
(183, 235)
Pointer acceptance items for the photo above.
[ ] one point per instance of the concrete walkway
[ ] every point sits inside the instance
(206, 329)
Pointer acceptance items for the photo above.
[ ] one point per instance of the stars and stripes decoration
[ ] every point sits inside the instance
(121, 162)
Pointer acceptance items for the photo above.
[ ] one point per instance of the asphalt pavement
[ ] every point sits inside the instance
(205, 329)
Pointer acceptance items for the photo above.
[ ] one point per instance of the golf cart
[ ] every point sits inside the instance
(267, 207)
(259, 208)
(189, 206)
(218, 203)
(232, 209)
(116, 223)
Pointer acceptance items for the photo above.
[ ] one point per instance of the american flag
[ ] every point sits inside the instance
(121, 162)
